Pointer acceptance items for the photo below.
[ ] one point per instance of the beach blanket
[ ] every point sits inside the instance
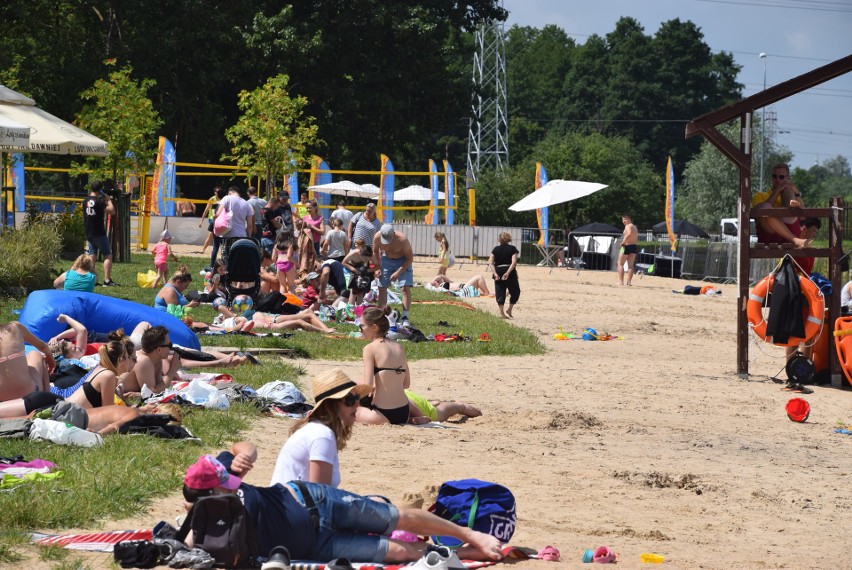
(92, 541)
(462, 304)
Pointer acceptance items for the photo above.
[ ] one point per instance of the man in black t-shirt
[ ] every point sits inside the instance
(320, 522)
(95, 206)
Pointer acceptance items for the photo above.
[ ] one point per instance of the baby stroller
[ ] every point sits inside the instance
(241, 257)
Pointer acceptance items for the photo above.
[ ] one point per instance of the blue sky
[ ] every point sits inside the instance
(796, 35)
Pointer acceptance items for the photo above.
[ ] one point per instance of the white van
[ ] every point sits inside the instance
(730, 230)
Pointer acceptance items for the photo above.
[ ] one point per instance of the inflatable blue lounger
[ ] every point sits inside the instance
(98, 313)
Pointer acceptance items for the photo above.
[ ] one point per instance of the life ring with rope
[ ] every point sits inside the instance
(815, 309)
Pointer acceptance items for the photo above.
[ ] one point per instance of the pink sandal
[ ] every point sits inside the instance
(550, 553)
(603, 555)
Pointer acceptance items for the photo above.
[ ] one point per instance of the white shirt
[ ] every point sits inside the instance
(240, 212)
(845, 297)
(343, 215)
(313, 442)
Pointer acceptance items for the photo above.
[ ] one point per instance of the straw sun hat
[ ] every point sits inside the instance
(334, 384)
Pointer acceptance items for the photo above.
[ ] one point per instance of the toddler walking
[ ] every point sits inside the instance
(162, 252)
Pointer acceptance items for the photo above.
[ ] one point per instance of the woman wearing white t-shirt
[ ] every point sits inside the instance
(310, 453)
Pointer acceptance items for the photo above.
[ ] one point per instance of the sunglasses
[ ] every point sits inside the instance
(169, 346)
(779, 176)
(351, 400)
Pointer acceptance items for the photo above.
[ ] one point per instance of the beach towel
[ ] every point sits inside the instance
(92, 541)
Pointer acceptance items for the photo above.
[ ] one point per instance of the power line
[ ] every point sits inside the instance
(810, 8)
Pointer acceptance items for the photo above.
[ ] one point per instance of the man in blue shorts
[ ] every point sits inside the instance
(320, 522)
(395, 265)
(95, 206)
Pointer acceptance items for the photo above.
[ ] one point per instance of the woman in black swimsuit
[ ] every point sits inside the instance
(117, 357)
(385, 369)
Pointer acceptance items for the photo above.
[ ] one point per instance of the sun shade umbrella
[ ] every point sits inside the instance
(13, 134)
(556, 192)
(415, 194)
(595, 228)
(48, 134)
(344, 188)
(681, 228)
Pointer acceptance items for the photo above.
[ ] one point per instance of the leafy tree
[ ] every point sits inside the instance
(634, 187)
(120, 112)
(823, 181)
(711, 183)
(273, 135)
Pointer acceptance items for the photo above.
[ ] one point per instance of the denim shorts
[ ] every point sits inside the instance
(350, 525)
(389, 266)
(99, 243)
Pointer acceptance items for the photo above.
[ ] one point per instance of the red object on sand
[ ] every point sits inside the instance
(798, 409)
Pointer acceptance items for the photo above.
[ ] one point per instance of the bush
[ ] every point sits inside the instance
(70, 226)
(29, 256)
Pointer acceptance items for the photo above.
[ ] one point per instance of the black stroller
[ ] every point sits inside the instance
(241, 257)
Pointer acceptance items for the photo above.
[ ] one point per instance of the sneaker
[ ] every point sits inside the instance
(110, 283)
(279, 559)
(449, 556)
(405, 323)
(430, 561)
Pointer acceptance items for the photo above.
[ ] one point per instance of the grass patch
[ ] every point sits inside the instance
(122, 477)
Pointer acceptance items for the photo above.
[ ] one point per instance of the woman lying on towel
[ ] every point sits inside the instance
(305, 320)
(474, 287)
(98, 387)
(385, 371)
(24, 374)
(310, 453)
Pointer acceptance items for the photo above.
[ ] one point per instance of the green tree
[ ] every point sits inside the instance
(120, 112)
(823, 181)
(273, 135)
(634, 187)
(711, 182)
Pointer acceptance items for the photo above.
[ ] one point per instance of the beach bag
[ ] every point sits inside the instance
(221, 527)
(222, 223)
(480, 505)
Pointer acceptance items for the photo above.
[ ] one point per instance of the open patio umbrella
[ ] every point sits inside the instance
(594, 229)
(681, 228)
(415, 194)
(13, 133)
(48, 134)
(344, 188)
(556, 192)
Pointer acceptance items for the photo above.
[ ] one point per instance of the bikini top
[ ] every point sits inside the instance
(398, 369)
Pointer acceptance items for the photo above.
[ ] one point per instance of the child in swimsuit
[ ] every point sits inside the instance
(385, 369)
(162, 252)
(285, 264)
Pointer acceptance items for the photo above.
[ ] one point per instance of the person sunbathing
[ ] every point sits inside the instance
(24, 368)
(422, 410)
(305, 320)
(97, 389)
(473, 287)
(386, 371)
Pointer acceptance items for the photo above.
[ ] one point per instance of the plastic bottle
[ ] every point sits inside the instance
(651, 558)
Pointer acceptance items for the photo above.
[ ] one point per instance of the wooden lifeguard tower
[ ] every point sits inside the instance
(741, 156)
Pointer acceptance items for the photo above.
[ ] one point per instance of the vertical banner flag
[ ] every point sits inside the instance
(164, 175)
(432, 216)
(153, 197)
(450, 190)
(16, 170)
(541, 214)
(291, 184)
(386, 184)
(318, 177)
(670, 199)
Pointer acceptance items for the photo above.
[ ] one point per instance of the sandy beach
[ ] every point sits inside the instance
(649, 443)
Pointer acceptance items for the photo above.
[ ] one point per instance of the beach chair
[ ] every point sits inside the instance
(241, 257)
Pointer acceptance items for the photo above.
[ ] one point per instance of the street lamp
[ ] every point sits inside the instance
(762, 127)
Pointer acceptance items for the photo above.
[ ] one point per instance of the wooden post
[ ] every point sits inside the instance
(744, 259)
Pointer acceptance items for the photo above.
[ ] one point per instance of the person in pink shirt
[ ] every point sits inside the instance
(162, 252)
(314, 222)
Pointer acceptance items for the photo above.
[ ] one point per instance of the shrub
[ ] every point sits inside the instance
(70, 226)
(29, 256)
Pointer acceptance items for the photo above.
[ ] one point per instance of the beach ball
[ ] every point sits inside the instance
(241, 303)
(220, 302)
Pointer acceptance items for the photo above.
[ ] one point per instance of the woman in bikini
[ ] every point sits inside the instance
(305, 320)
(98, 389)
(24, 380)
(385, 370)
(311, 452)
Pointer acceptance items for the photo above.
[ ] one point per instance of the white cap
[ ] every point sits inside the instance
(387, 233)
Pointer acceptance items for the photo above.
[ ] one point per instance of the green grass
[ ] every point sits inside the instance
(122, 477)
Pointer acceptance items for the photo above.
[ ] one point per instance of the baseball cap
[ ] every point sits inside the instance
(387, 233)
(312, 275)
(209, 473)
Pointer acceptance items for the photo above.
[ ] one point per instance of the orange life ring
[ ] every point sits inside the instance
(815, 309)
(843, 344)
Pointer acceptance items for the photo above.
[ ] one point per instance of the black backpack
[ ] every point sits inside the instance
(221, 527)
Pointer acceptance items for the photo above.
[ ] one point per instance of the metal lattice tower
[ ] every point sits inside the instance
(487, 142)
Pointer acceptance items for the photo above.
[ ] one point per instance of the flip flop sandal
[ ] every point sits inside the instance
(550, 553)
(250, 357)
(603, 555)
(798, 388)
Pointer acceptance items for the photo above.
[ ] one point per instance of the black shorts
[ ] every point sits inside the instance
(632, 249)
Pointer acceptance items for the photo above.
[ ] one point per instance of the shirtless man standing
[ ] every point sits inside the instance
(156, 364)
(392, 256)
(628, 249)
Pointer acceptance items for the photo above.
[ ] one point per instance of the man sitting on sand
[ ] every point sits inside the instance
(338, 524)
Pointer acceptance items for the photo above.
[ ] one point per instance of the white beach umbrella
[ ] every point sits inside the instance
(415, 193)
(344, 188)
(556, 192)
